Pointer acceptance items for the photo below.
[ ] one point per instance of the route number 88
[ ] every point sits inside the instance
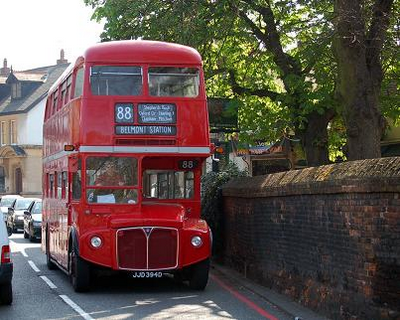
(187, 164)
(124, 112)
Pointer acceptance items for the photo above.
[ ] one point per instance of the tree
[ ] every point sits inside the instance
(361, 28)
(275, 59)
(252, 52)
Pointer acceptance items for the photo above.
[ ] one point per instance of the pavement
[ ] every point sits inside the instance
(291, 308)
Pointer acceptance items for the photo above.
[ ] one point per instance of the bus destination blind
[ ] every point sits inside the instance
(157, 113)
(146, 130)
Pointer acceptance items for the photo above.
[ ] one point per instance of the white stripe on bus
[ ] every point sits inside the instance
(115, 149)
(120, 149)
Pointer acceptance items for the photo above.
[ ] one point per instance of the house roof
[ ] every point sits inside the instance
(37, 77)
(38, 83)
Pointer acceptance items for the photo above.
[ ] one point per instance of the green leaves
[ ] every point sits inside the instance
(274, 57)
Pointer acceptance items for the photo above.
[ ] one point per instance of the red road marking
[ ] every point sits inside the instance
(242, 298)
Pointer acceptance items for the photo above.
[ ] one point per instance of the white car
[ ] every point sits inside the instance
(6, 202)
(15, 219)
(6, 266)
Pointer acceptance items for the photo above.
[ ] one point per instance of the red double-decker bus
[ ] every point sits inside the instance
(125, 137)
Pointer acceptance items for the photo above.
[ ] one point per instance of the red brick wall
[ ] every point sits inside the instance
(327, 236)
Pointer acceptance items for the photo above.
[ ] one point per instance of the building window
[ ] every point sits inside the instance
(13, 132)
(16, 91)
(2, 180)
(3, 136)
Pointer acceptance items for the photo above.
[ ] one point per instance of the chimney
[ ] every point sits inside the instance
(5, 71)
(62, 59)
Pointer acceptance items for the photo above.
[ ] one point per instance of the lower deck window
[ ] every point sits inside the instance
(117, 196)
(163, 184)
(111, 180)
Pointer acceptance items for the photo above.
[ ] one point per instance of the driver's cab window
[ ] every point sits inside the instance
(166, 184)
(111, 180)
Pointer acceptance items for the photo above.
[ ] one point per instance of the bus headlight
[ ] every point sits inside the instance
(196, 241)
(95, 242)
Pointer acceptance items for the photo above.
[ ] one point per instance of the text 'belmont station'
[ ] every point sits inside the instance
(146, 130)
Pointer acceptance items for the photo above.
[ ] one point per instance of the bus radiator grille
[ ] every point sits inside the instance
(147, 248)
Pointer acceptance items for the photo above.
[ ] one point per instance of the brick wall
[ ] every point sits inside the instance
(329, 236)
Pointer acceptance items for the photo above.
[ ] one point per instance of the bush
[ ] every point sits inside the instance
(211, 200)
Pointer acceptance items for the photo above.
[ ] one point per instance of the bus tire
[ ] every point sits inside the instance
(6, 296)
(198, 275)
(79, 272)
(50, 264)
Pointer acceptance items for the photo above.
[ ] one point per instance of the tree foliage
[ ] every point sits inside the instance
(211, 199)
(274, 58)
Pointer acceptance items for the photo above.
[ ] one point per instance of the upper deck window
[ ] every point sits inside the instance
(116, 80)
(174, 82)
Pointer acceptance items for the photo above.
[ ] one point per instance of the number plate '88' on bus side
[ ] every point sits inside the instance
(147, 274)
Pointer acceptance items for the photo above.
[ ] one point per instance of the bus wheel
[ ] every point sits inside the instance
(50, 264)
(6, 296)
(79, 272)
(198, 275)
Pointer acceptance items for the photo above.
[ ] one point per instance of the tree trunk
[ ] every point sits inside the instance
(360, 75)
(315, 138)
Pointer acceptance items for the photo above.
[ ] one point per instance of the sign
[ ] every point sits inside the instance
(187, 164)
(123, 113)
(156, 113)
(260, 149)
(146, 130)
(265, 149)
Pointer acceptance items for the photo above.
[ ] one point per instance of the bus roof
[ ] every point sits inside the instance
(142, 51)
(135, 51)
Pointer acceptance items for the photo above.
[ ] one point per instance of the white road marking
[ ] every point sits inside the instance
(49, 283)
(31, 263)
(24, 253)
(74, 306)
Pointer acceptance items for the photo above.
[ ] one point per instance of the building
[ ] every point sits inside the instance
(22, 104)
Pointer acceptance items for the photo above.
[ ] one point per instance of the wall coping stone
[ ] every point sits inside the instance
(362, 176)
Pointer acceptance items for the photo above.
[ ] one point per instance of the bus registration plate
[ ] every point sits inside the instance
(146, 274)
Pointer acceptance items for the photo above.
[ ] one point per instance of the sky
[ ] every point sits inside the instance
(32, 32)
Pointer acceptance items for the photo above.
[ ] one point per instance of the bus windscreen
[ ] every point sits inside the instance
(174, 82)
(116, 80)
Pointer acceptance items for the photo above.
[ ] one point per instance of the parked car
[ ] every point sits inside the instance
(33, 221)
(6, 202)
(6, 266)
(15, 219)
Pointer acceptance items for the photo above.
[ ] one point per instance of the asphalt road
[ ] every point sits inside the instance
(40, 293)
